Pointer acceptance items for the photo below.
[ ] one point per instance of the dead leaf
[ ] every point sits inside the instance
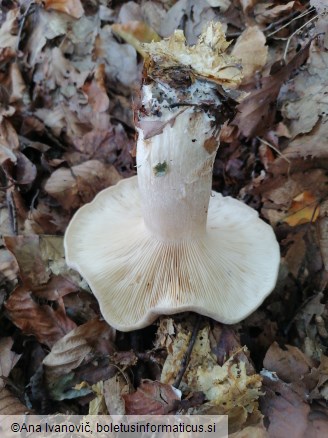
(97, 406)
(311, 145)
(285, 409)
(8, 30)
(151, 398)
(78, 185)
(107, 144)
(304, 209)
(96, 90)
(121, 59)
(26, 250)
(228, 389)
(8, 265)
(48, 323)
(73, 8)
(8, 359)
(251, 49)
(197, 13)
(222, 4)
(115, 389)
(130, 11)
(80, 344)
(295, 256)
(268, 12)
(306, 102)
(10, 405)
(135, 33)
(153, 14)
(257, 110)
(290, 364)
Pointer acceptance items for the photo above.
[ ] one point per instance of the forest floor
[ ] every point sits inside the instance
(69, 72)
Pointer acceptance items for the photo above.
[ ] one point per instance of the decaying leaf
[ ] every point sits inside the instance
(96, 90)
(8, 36)
(290, 364)
(250, 48)
(8, 359)
(310, 145)
(227, 388)
(304, 208)
(97, 406)
(151, 398)
(281, 404)
(73, 8)
(48, 322)
(78, 185)
(307, 100)
(77, 346)
(135, 33)
(114, 390)
(8, 265)
(75, 352)
(257, 110)
(10, 405)
(27, 253)
(267, 11)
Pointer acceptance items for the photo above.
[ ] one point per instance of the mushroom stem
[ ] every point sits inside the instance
(175, 173)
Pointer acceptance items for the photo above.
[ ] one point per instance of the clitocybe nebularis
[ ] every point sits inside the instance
(163, 242)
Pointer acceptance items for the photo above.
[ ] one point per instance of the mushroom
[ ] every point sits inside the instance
(163, 242)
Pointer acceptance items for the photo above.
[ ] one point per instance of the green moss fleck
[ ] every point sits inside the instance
(160, 169)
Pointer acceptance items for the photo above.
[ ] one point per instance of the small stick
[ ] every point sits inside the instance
(186, 358)
(309, 11)
(294, 33)
(274, 148)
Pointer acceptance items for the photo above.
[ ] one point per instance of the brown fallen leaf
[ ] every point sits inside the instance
(290, 365)
(304, 102)
(304, 209)
(114, 389)
(96, 90)
(228, 389)
(8, 359)
(8, 36)
(266, 12)
(73, 8)
(78, 185)
(285, 409)
(10, 405)
(135, 33)
(8, 266)
(151, 398)
(310, 145)
(47, 322)
(257, 111)
(78, 345)
(251, 49)
(26, 250)
(317, 381)
(295, 255)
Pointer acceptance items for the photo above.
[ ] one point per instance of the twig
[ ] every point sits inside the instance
(186, 358)
(289, 22)
(282, 20)
(274, 148)
(294, 33)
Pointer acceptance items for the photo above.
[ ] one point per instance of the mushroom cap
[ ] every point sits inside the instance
(225, 274)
